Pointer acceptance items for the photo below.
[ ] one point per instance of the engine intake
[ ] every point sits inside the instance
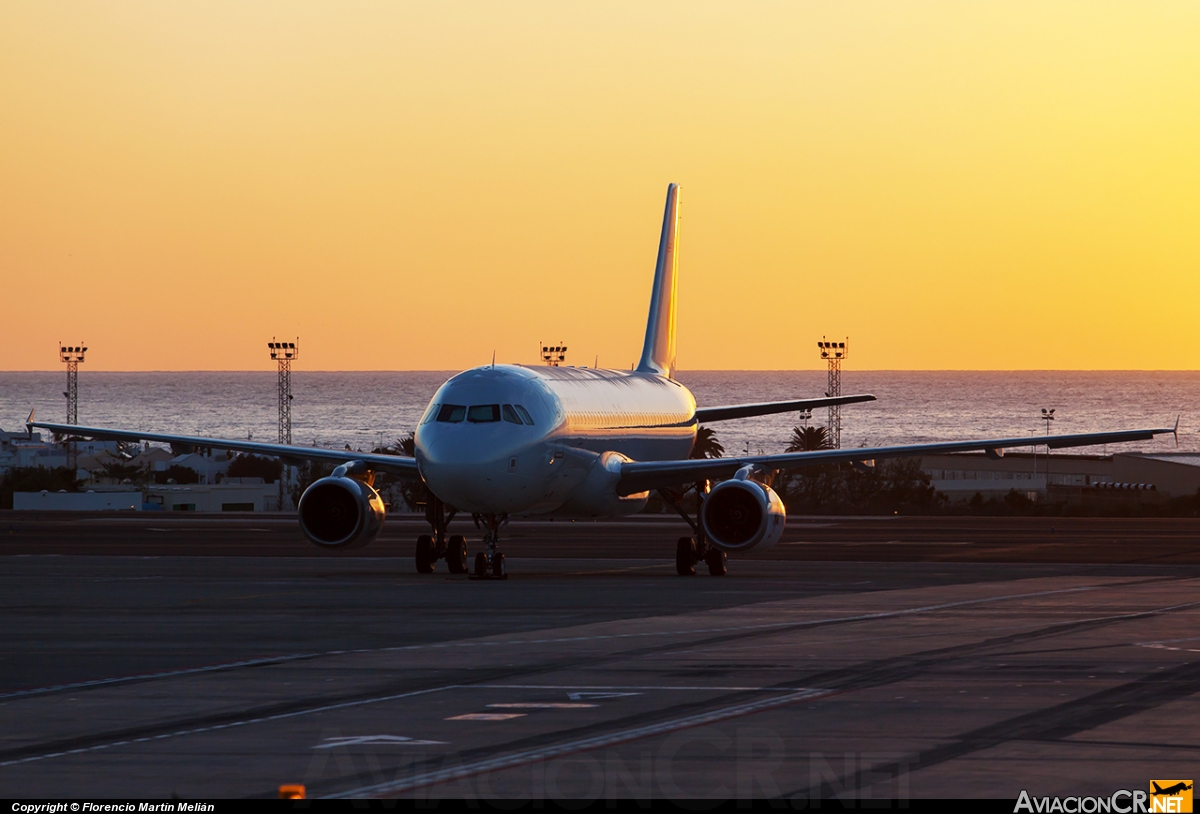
(742, 514)
(341, 512)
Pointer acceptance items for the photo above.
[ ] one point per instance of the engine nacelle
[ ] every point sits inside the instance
(742, 514)
(341, 512)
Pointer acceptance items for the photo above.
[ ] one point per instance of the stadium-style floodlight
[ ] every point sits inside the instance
(284, 353)
(554, 355)
(1047, 416)
(71, 356)
(283, 350)
(834, 353)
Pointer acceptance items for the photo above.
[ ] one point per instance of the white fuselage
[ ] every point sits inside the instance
(549, 440)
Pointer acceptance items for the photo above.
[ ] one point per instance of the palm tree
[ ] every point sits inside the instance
(807, 439)
(412, 490)
(707, 445)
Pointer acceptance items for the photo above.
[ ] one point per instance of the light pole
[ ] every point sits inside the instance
(1047, 416)
(284, 353)
(834, 353)
(72, 356)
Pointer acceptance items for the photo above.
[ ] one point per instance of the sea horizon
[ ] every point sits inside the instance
(367, 408)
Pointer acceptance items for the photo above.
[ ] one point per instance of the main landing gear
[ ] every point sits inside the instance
(453, 549)
(688, 552)
(692, 550)
(434, 547)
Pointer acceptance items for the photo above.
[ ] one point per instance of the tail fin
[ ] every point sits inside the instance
(658, 354)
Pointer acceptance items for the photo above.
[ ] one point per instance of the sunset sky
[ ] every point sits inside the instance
(997, 185)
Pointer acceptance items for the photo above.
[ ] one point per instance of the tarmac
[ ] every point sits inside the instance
(861, 658)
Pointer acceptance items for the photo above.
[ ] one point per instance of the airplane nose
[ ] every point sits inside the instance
(468, 472)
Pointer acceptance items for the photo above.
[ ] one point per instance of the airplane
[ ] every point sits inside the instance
(504, 440)
(1170, 791)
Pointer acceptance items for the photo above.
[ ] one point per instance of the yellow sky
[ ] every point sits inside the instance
(404, 186)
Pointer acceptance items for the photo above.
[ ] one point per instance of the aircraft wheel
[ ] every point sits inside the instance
(456, 554)
(425, 554)
(481, 564)
(498, 565)
(715, 560)
(685, 557)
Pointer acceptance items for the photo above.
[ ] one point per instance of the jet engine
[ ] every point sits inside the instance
(341, 512)
(741, 514)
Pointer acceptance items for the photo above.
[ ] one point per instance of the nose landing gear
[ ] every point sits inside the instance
(491, 564)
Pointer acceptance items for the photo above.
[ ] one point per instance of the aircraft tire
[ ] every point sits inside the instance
(425, 554)
(685, 557)
(456, 555)
(498, 565)
(715, 560)
(481, 564)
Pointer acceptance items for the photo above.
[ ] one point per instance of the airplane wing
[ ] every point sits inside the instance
(638, 476)
(393, 464)
(707, 414)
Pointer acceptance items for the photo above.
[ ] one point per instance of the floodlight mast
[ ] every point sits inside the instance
(284, 353)
(554, 355)
(834, 353)
(72, 356)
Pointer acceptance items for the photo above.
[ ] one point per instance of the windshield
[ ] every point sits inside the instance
(483, 413)
(452, 413)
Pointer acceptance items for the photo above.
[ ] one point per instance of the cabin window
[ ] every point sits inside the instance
(483, 413)
(510, 415)
(521, 411)
(452, 413)
(431, 413)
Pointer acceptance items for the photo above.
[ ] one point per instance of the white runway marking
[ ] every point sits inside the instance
(863, 617)
(216, 727)
(375, 740)
(547, 752)
(1166, 647)
(547, 704)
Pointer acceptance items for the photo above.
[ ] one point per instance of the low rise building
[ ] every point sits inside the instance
(23, 449)
(241, 495)
(90, 501)
(222, 497)
(1036, 476)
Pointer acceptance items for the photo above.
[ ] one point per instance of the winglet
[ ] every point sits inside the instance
(658, 352)
(1175, 432)
(29, 423)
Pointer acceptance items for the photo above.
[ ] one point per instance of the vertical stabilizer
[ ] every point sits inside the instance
(658, 354)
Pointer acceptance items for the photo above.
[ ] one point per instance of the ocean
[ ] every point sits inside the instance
(333, 409)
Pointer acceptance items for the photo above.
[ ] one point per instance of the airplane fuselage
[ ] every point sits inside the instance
(548, 440)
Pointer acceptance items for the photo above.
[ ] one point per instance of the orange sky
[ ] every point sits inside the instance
(413, 186)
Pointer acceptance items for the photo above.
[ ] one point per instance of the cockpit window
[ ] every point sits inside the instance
(510, 415)
(431, 413)
(521, 411)
(483, 413)
(452, 413)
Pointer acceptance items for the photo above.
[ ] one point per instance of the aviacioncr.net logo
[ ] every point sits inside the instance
(1164, 797)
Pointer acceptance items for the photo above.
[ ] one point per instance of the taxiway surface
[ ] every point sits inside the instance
(909, 657)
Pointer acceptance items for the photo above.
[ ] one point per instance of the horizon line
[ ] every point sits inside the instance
(453, 371)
